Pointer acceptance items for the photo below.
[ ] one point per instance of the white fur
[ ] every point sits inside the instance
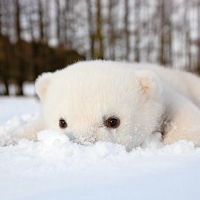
(146, 98)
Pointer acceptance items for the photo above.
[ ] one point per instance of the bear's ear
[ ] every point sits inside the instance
(149, 82)
(42, 84)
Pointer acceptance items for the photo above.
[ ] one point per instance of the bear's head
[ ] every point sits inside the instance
(102, 101)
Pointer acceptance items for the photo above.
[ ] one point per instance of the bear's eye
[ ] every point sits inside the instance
(112, 122)
(62, 123)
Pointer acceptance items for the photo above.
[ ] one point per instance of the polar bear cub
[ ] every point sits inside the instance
(118, 102)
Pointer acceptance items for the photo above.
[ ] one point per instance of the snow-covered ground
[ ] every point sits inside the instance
(56, 168)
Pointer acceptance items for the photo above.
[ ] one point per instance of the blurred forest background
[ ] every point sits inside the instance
(45, 35)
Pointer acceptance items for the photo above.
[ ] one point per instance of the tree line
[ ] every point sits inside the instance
(45, 35)
(21, 58)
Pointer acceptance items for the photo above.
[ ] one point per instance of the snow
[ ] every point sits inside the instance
(56, 168)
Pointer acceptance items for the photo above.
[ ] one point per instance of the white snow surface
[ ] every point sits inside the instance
(56, 168)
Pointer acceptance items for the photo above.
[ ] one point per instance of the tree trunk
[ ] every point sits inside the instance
(112, 24)
(40, 21)
(198, 40)
(137, 30)
(126, 29)
(99, 36)
(58, 28)
(90, 29)
(165, 32)
(19, 49)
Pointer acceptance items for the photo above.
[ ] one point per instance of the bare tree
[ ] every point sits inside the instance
(64, 23)
(126, 29)
(58, 21)
(1, 13)
(165, 8)
(70, 21)
(137, 32)
(112, 21)
(187, 36)
(91, 29)
(198, 40)
(17, 20)
(40, 21)
(19, 48)
(99, 35)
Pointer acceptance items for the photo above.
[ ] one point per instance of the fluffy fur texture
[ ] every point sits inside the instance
(147, 99)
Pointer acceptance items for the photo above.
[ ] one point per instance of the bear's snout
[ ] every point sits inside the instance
(82, 137)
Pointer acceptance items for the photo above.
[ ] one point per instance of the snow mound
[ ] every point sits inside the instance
(54, 152)
(55, 167)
